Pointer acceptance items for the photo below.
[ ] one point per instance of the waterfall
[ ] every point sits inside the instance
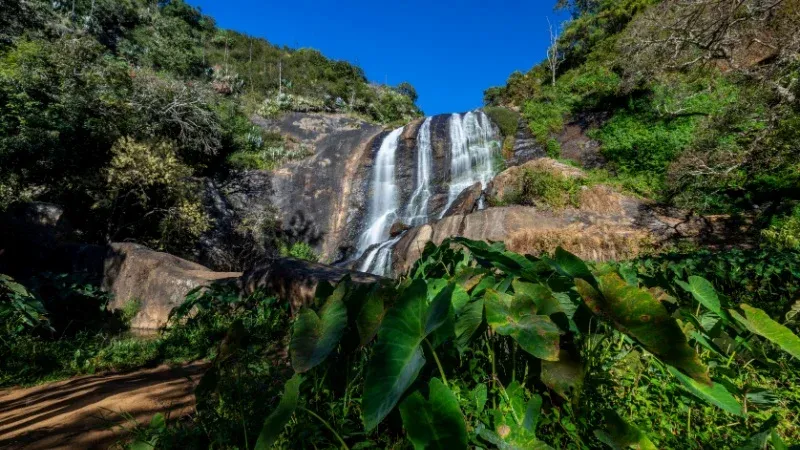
(471, 141)
(384, 205)
(417, 209)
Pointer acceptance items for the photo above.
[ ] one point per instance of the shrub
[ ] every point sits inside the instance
(300, 250)
(553, 148)
(784, 233)
(506, 119)
(541, 187)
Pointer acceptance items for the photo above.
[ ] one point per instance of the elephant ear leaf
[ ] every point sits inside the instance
(569, 265)
(314, 337)
(621, 435)
(398, 358)
(758, 322)
(516, 317)
(638, 314)
(435, 423)
(715, 394)
(369, 318)
(703, 291)
(275, 423)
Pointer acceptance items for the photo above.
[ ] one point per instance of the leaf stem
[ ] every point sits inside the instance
(438, 363)
(327, 425)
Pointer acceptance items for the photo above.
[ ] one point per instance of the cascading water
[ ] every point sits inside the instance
(471, 141)
(471, 138)
(417, 209)
(383, 208)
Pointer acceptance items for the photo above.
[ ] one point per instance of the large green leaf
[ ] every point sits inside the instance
(314, 337)
(371, 314)
(621, 435)
(703, 291)
(275, 423)
(546, 302)
(468, 323)
(564, 376)
(716, 394)
(636, 313)
(570, 266)
(496, 255)
(516, 317)
(398, 358)
(435, 423)
(758, 322)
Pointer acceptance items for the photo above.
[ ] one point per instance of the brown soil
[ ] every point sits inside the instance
(93, 412)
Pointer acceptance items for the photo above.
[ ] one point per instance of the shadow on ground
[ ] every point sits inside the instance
(93, 412)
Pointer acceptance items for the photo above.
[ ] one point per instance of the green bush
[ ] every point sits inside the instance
(784, 233)
(300, 250)
(553, 148)
(506, 119)
(544, 188)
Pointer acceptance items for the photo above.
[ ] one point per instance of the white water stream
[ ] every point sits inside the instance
(472, 141)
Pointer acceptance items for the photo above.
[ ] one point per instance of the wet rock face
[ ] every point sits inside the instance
(526, 147)
(440, 177)
(315, 194)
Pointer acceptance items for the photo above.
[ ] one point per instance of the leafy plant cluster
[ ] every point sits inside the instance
(482, 347)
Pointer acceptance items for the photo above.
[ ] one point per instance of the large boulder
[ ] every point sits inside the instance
(296, 281)
(157, 281)
(467, 201)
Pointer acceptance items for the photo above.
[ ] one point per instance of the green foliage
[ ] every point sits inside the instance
(89, 87)
(19, 309)
(436, 422)
(506, 119)
(273, 426)
(300, 250)
(613, 333)
(315, 336)
(543, 188)
(784, 233)
(677, 121)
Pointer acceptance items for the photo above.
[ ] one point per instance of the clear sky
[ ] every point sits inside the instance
(449, 50)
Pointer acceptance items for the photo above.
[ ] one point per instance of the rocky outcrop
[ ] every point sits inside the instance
(525, 146)
(242, 216)
(467, 201)
(314, 194)
(607, 225)
(296, 281)
(157, 281)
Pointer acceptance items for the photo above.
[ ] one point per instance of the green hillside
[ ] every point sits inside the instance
(694, 104)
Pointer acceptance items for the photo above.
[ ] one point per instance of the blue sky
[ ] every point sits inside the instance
(449, 50)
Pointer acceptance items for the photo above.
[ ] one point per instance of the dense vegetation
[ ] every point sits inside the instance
(113, 109)
(693, 103)
(479, 346)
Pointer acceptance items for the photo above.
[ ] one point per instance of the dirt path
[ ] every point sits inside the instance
(86, 412)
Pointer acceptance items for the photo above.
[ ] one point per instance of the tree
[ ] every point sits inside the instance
(554, 56)
(408, 90)
(578, 7)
